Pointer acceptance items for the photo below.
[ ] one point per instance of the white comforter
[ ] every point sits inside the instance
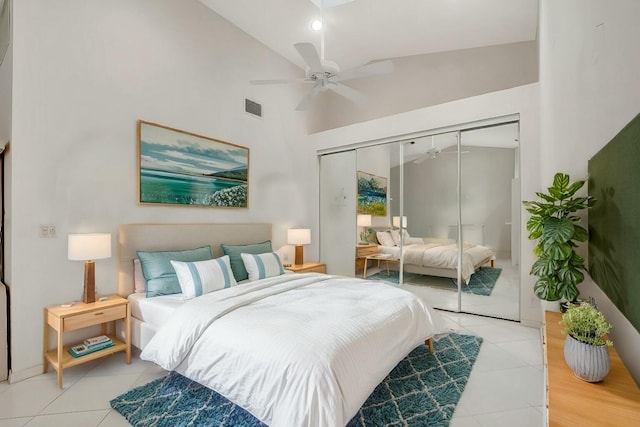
(445, 256)
(295, 350)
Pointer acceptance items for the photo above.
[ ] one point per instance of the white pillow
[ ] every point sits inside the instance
(384, 238)
(201, 277)
(407, 240)
(395, 235)
(261, 266)
(139, 283)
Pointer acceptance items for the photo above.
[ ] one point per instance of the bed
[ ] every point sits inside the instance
(292, 349)
(436, 256)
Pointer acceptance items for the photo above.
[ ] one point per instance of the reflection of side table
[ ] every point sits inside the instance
(362, 251)
(379, 257)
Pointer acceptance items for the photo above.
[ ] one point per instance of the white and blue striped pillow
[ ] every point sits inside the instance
(261, 266)
(201, 277)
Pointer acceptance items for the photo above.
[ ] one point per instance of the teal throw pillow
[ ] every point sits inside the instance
(159, 273)
(234, 251)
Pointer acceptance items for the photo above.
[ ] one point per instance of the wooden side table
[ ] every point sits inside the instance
(307, 267)
(379, 257)
(362, 252)
(81, 315)
(615, 401)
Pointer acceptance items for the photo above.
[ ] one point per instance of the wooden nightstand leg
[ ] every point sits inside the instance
(127, 331)
(366, 262)
(45, 345)
(60, 349)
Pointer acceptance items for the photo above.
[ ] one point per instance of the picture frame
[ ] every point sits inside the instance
(181, 168)
(372, 194)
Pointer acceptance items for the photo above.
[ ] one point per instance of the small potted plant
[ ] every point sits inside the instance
(586, 346)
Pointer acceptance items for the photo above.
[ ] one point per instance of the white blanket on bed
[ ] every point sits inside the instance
(294, 350)
(446, 256)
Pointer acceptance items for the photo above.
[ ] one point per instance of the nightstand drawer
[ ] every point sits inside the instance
(318, 269)
(363, 251)
(95, 317)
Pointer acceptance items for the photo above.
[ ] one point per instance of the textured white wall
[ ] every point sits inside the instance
(589, 90)
(424, 80)
(84, 72)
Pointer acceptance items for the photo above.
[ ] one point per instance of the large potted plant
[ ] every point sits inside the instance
(557, 227)
(586, 346)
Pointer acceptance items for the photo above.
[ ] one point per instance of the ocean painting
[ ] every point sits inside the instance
(182, 168)
(372, 194)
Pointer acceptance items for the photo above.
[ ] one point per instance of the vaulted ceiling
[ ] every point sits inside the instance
(359, 31)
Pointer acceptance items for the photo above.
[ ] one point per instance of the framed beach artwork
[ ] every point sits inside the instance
(184, 169)
(372, 194)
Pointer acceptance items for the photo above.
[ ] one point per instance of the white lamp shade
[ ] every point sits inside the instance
(364, 221)
(299, 236)
(88, 247)
(396, 221)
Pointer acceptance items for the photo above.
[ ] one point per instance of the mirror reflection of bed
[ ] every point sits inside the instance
(489, 211)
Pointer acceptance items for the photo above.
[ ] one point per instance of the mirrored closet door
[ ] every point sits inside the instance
(436, 214)
(489, 205)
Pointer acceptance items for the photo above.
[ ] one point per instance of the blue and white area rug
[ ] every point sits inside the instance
(482, 281)
(422, 390)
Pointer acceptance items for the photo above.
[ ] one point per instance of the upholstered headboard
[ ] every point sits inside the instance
(161, 237)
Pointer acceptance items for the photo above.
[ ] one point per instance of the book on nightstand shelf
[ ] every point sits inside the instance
(94, 345)
(96, 340)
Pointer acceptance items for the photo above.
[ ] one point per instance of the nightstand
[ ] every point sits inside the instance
(362, 252)
(81, 315)
(307, 267)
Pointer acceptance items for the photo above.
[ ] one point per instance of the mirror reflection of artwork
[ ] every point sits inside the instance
(372, 194)
(182, 168)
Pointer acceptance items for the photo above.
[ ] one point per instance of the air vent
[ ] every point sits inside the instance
(252, 107)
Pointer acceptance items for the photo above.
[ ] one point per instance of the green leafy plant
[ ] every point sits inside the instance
(586, 324)
(554, 223)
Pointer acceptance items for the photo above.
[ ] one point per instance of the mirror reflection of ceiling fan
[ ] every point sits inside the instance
(433, 152)
(326, 75)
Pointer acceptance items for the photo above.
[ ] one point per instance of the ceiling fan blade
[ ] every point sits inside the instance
(309, 53)
(376, 68)
(277, 81)
(306, 101)
(351, 94)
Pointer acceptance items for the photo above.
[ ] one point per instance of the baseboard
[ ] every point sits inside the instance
(24, 374)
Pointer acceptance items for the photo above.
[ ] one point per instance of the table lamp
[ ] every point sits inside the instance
(87, 248)
(299, 237)
(362, 222)
(396, 221)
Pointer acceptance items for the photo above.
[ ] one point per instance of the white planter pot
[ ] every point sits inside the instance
(588, 362)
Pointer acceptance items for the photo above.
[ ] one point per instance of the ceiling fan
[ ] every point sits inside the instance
(326, 75)
(433, 152)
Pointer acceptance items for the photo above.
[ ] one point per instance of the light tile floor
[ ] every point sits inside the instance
(505, 387)
(504, 301)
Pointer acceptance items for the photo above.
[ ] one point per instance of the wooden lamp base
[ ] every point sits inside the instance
(89, 294)
(299, 255)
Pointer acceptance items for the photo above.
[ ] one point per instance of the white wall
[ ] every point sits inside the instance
(589, 90)
(5, 96)
(84, 72)
(424, 80)
(522, 100)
